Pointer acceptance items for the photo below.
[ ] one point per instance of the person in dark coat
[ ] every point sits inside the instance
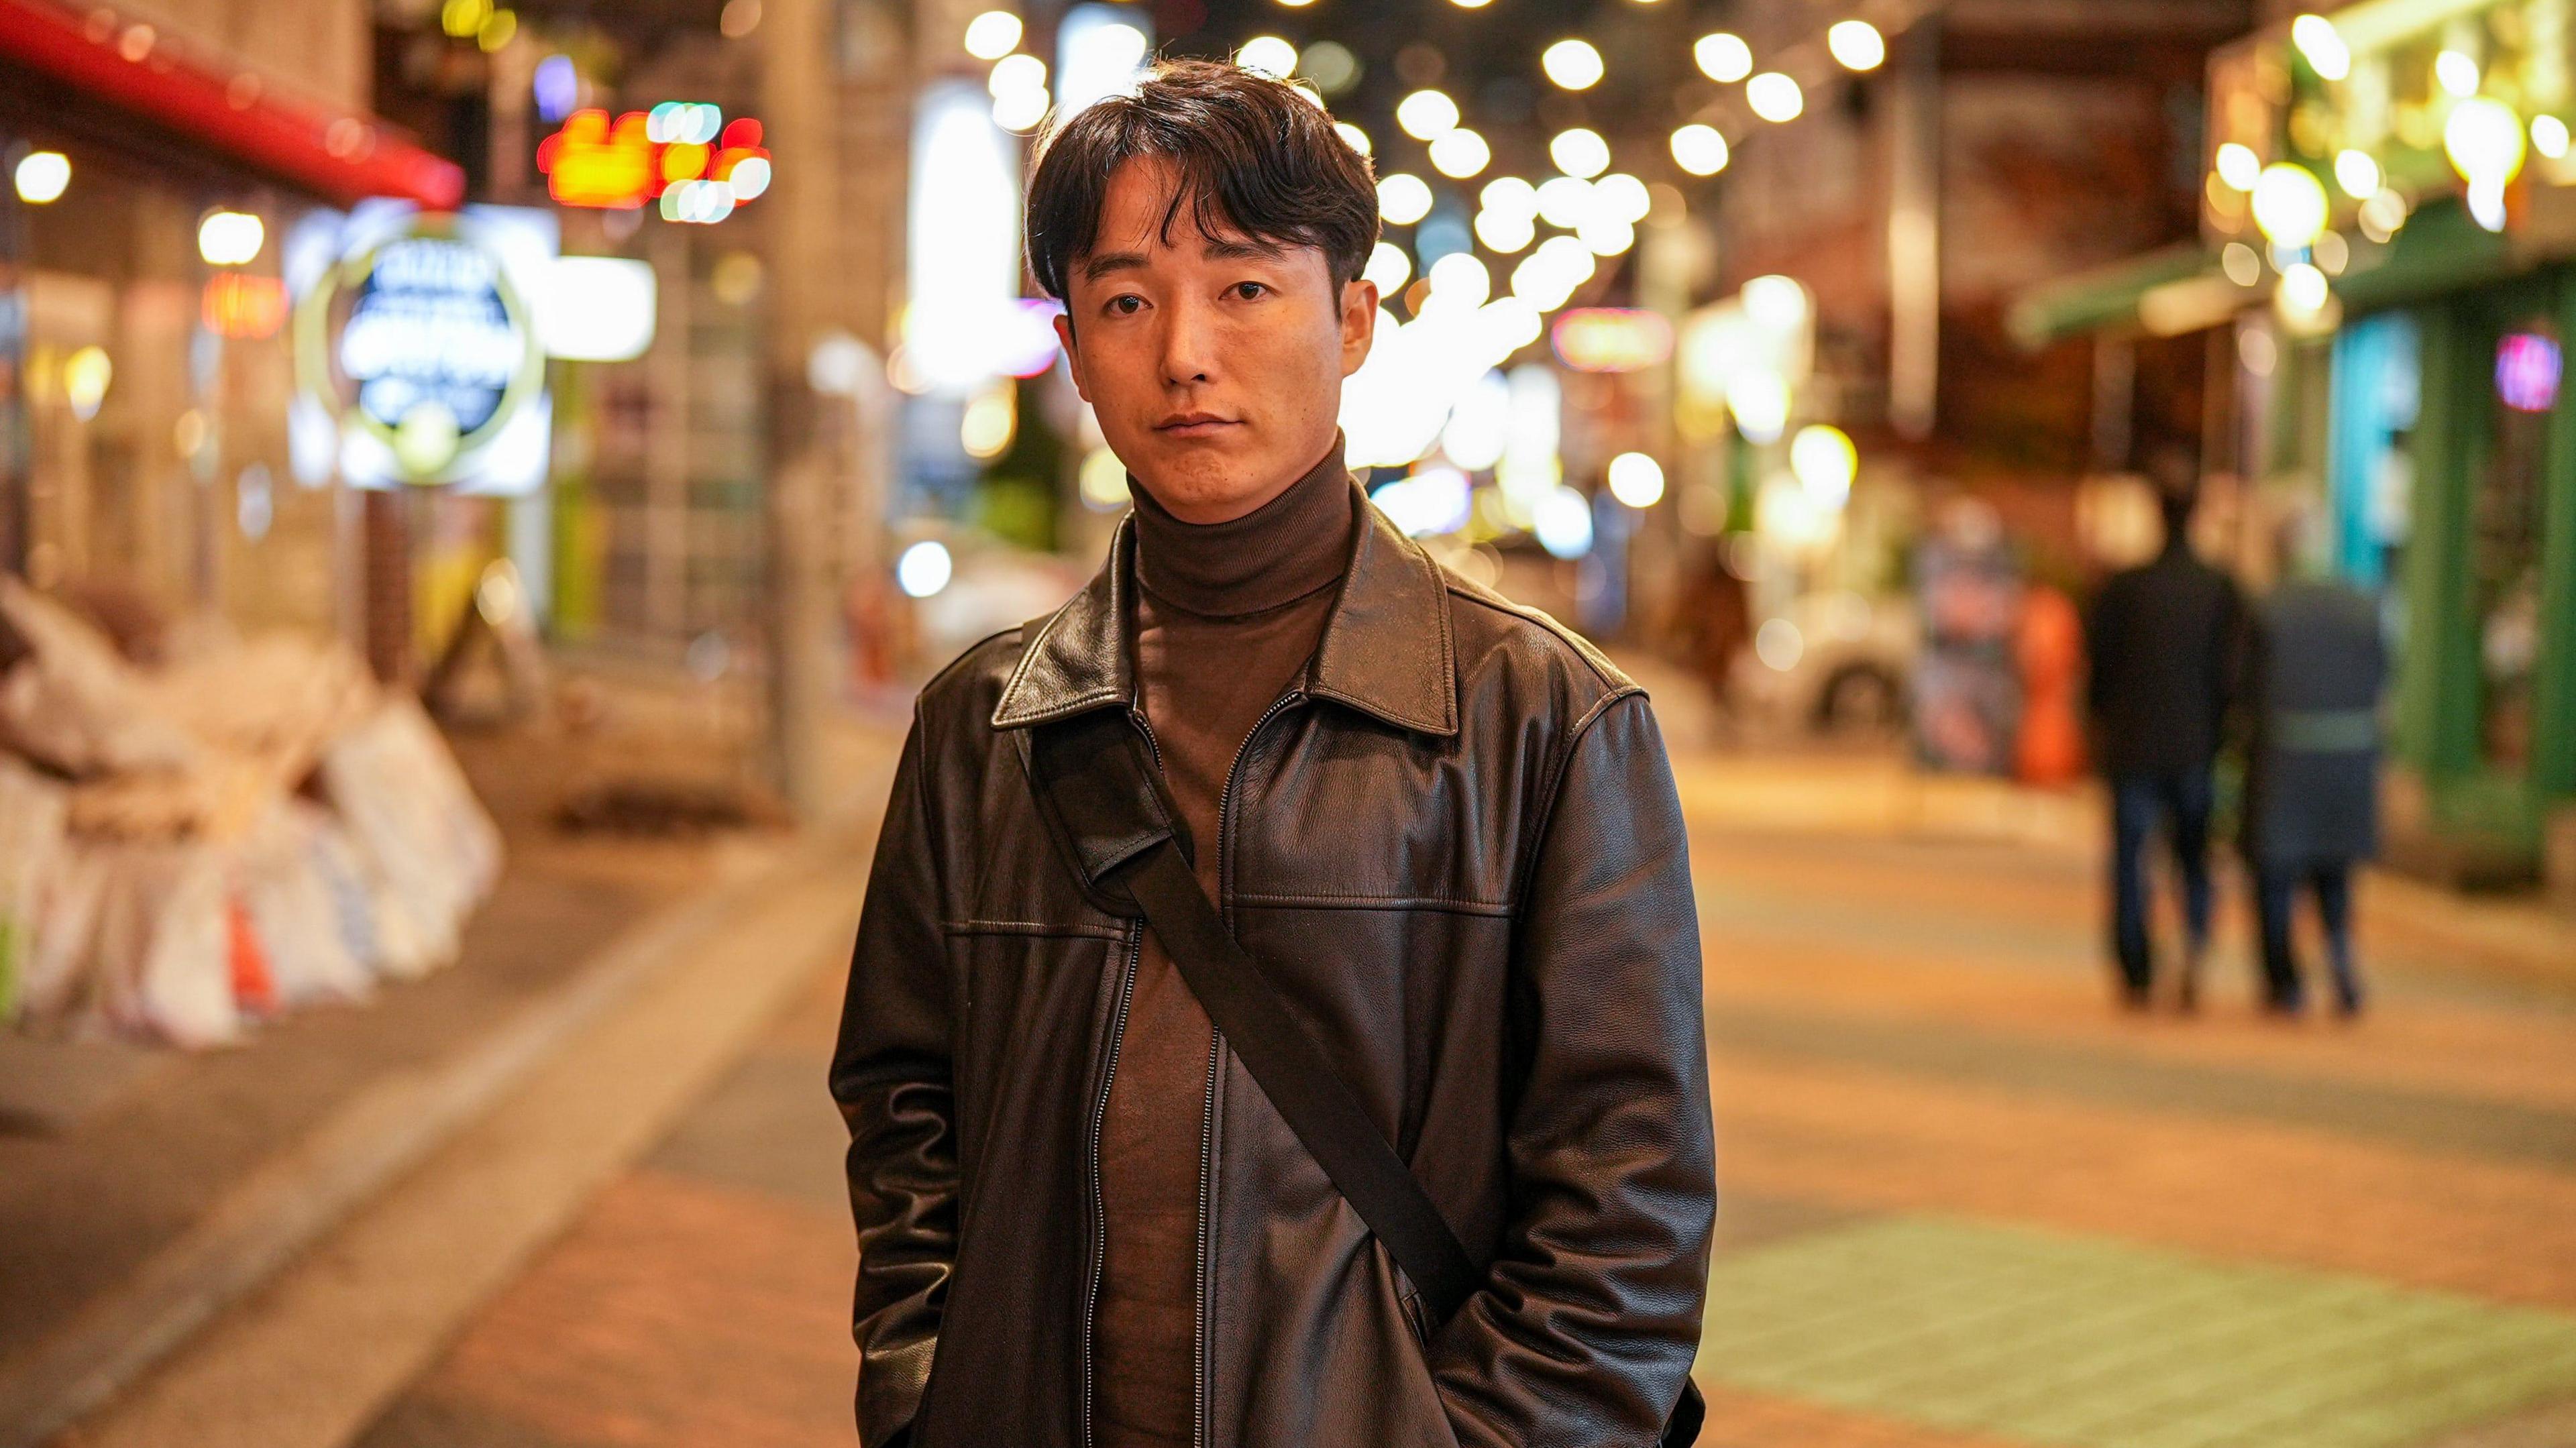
(2162, 640)
(2315, 666)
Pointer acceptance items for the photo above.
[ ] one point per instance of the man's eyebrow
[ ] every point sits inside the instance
(1101, 264)
(1240, 250)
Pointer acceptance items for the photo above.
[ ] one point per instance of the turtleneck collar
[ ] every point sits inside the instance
(1281, 551)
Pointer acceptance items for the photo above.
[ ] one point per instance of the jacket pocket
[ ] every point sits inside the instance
(1416, 1353)
(1417, 1314)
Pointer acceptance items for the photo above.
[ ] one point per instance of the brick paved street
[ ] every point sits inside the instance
(1965, 1204)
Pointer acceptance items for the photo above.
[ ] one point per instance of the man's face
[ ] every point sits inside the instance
(1215, 363)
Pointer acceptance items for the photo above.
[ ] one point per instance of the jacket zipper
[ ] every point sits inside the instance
(1199, 1350)
(1099, 1212)
(1100, 1109)
(1207, 1109)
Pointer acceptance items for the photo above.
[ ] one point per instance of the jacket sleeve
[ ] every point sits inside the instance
(890, 1076)
(1585, 1329)
(2249, 676)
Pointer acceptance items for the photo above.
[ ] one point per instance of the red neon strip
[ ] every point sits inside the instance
(341, 155)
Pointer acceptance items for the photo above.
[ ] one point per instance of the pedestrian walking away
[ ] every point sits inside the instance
(2315, 667)
(2162, 641)
(1275, 1016)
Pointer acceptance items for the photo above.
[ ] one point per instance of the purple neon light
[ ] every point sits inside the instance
(2526, 372)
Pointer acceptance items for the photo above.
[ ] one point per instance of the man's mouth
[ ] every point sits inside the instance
(1193, 424)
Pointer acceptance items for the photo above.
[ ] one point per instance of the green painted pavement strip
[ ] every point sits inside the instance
(2080, 1342)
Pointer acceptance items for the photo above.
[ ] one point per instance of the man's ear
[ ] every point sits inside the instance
(1359, 323)
(1072, 356)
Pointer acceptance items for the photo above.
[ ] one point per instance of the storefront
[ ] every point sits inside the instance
(2487, 697)
(2390, 254)
(145, 364)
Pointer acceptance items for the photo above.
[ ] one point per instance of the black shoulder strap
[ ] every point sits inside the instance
(1300, 1080)
(1104, 798)
(1105, 795)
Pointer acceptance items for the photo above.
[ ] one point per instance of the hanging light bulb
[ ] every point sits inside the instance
(2290, 204)
(1269, 55)
(1774, 96)
(992, 35)
(1857, 44)
(2549, 137)
(2484, 140)
(1699, 149)
(2304, 287)
(1723, 57)
(1460, 153)
(1573, 64)
(1403, 199)
(2322, 45)
(2238, 166)
(1580, 152)
(1426, 114)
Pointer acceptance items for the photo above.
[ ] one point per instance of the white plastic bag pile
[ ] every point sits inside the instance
(160, 872)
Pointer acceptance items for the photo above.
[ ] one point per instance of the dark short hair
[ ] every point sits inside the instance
(2177, 504)
(1251, 155)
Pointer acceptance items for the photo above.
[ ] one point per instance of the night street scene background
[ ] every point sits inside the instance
(482, 483)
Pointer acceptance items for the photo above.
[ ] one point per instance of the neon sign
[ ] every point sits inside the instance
(592, 163)
(682, 152)
(2526, 372)
(417, 354)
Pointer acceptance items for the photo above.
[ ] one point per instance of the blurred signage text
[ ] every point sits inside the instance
(417, 350)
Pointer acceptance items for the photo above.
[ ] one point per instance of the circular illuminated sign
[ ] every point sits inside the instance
(426, 340)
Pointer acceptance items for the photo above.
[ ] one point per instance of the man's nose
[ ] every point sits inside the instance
(1189, 338)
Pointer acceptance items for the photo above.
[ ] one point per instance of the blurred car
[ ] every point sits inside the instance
(976, 585)
(1830, 664)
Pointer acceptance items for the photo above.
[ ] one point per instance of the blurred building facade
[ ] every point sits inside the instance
(707, 498)
(143, 387)
(2383, 275)
(701, 494)
(2003, 141)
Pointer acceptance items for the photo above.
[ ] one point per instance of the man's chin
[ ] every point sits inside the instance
(1201, 479)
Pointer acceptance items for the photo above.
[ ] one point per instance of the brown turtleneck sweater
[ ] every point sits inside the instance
(1227, 615)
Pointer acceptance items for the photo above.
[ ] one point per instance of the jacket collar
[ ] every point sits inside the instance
(1385, 650)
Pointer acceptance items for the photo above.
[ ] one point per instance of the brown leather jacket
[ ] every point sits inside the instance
(1455, 842)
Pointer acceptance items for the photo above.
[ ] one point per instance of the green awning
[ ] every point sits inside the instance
(2106, 298)
(2440, 249)
(2179, 288)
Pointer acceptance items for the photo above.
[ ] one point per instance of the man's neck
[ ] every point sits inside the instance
(1292, 544)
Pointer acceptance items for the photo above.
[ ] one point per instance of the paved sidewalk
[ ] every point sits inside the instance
(145, 1191)
(702, 1299)
(1966, 1205)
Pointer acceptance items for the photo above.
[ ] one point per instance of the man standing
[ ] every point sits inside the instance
(1443, 826)
(2162, 641)
(2312, 787)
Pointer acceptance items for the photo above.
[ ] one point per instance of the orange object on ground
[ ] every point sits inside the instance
(254, 990)
(2049, 650)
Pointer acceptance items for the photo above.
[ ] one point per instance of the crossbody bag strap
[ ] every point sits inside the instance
(1293, 1071)
(1104, 799)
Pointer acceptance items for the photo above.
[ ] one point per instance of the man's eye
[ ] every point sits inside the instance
(1126, 305)
(1249, 290)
